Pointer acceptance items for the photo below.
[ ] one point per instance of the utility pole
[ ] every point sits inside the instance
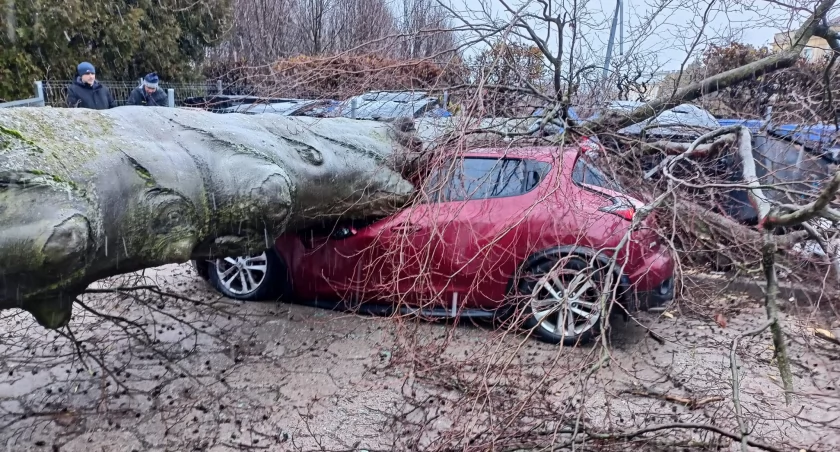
(621, 28)
(618, 10)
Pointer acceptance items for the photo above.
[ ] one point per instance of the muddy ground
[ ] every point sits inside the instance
(156, 373)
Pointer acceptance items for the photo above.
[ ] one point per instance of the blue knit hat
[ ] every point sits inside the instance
(85, 68)
(151, 80)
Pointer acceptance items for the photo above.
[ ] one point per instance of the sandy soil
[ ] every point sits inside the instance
(216, 375)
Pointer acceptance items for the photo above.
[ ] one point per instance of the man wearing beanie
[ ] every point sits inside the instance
(86, 92)
(148, 93)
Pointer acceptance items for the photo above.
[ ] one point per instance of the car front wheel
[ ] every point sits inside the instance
(259, 277)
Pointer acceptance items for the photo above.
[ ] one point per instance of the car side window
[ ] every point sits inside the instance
(474, 178)
(584, 173)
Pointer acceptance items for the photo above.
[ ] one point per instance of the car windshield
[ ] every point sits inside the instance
(584, 173)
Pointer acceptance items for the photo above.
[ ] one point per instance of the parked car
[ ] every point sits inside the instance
(795, 157)
(223, 103)
(217, 103)
(683, 122)
(778, 160)
(502, 232)
(286, 107)
(387, 105)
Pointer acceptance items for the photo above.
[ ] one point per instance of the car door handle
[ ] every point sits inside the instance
(406, 228)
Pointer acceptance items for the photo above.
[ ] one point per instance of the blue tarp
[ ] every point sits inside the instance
(753, 124)
(818, 133)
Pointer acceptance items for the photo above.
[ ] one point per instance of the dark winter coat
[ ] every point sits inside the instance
(138, 96)
(82, 95)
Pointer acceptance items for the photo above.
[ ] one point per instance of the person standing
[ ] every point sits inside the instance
(87, 92)
(148, 93)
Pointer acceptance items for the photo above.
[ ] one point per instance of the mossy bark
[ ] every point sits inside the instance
(772, 308)
(89, 194)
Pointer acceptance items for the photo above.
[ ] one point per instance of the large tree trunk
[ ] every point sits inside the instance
(89, 194)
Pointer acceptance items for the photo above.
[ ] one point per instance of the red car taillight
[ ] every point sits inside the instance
(590, 147)
(620, 207)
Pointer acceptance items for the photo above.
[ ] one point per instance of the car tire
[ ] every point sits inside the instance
(543, 304)
(258, 277)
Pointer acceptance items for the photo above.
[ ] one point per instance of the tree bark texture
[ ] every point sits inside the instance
(89, 194)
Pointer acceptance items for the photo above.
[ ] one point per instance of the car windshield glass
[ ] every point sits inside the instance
(585, 173)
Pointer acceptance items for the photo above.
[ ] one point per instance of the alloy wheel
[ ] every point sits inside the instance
(242, 275)
(566, 302)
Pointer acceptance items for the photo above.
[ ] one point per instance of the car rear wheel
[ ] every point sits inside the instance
(562, 299)
(258, 277)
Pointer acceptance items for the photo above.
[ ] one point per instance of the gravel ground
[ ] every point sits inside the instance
(206, 373)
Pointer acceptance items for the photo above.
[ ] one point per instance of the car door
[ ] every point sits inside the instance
(450, 247)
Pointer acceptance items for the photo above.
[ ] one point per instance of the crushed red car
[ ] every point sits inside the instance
(525, 234)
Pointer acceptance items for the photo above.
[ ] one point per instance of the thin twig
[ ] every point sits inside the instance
(736, 392)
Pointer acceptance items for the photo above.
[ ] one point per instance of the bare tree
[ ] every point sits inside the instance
(262, 31)
(362, 26)
(312, 22)
(425, 29)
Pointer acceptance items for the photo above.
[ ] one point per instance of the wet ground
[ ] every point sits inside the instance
(155, 373)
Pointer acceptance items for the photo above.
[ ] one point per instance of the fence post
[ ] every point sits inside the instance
(39, 93)
(219, 88)
(170, 97)
(353, 107)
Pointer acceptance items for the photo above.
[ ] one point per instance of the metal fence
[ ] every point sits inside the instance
(53, 93)
(37, 101)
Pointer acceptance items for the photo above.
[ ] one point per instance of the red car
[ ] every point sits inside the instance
(526, 234)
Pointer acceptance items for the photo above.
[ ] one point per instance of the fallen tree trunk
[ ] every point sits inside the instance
(89, 194)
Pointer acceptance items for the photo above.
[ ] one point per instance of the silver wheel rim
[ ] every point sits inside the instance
(568, 299)
(242, 275)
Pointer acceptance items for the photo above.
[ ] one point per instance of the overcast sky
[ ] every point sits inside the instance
(748, 21)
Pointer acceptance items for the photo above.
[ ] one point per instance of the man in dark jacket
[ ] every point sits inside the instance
(149, 93)
(86, 92)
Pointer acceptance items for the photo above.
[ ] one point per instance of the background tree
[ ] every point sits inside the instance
(425, 29)
(123, 39)
(504, 65)
(812, 84)
(260, 31)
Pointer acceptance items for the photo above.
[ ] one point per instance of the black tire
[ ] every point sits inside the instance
(273, 286)
(531, 290)
(200, 268)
